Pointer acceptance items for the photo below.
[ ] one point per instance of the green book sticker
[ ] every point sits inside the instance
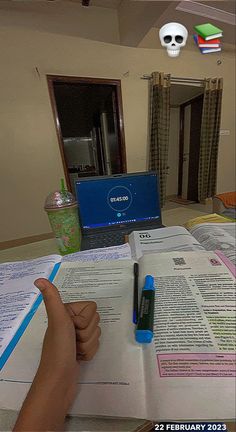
(207, 30)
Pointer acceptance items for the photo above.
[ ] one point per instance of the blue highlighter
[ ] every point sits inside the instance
(144, 329)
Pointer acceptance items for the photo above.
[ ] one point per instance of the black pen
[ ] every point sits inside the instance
(135, 305)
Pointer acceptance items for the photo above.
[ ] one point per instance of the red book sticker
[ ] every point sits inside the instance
(213, 43)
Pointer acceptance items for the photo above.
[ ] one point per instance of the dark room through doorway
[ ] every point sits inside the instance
(89, 122)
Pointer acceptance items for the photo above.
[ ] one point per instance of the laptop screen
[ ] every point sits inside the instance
(119, 199)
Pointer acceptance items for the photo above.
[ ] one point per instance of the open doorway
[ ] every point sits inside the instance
(184, 143)
(89, 122)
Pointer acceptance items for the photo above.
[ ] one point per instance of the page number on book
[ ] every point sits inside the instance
(145, 235)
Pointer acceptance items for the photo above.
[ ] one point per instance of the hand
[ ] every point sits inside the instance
(72, 335)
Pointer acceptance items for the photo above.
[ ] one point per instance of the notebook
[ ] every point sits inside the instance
(111, 207)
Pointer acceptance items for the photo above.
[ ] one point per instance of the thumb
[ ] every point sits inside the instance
(52, 300)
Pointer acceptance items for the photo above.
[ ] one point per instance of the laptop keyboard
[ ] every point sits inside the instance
(111, 238)
(104, 240)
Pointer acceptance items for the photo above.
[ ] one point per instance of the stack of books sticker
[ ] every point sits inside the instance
(207, 38)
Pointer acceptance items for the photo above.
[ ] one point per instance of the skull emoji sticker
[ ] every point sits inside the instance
(173, 36)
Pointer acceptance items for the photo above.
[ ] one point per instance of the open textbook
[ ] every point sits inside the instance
(19, 298)
(186, 373)
(204, 236)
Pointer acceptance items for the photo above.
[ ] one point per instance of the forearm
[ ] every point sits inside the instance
(45, 406)
(72, 333)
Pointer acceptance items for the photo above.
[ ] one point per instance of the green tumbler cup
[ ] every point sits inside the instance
(61, 208)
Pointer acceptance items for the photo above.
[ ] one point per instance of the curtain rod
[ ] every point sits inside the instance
(147, 77)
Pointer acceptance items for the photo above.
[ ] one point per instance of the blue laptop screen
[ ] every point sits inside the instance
(116, 200)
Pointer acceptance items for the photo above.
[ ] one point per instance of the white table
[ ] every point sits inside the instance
(8, 419)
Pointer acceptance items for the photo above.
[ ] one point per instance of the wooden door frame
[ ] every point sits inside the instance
(86, 80)
(181, 141)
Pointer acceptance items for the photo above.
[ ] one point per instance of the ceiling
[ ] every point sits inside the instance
(189, 20)
(111, 4)
(228, 6)
(132, 19)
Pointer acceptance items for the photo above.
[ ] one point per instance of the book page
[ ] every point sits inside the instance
(16, 299)
(109, 253)
(215, 236)
(208, 218)
(113, 373)
(194, 335)
(18, 294)
(162, 240)
(112, 384)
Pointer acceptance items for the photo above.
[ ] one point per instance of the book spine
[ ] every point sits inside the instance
(195, 38)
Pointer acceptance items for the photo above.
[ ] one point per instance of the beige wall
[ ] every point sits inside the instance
(30, 163)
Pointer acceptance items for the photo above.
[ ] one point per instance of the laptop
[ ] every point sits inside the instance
(111, 207)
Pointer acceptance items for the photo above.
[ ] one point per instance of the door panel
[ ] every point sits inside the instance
(173, 153)
(189, 148)
(187, 126)
(195, 133)
(106, 143)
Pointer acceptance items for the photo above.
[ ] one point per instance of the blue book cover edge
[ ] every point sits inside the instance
(195, 39)
(209, 50)
(12, 344)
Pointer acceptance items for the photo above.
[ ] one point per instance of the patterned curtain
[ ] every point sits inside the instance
(159, 123)
(209, 140)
